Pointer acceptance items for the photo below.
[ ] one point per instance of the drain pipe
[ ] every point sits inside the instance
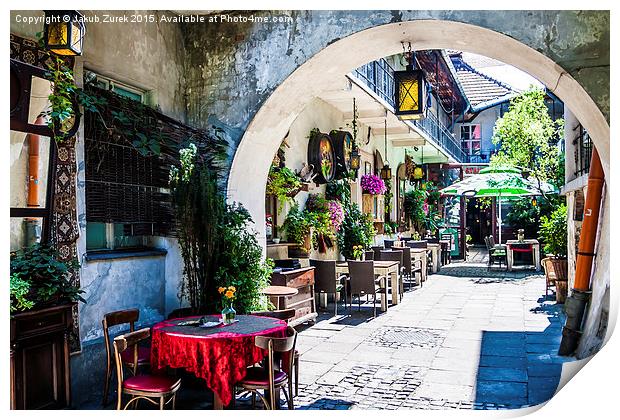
(33, 228)
(577, 303)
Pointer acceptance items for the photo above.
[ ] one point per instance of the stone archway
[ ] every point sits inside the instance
(324, 71)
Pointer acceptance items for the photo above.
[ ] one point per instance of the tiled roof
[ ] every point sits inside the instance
(478, 87)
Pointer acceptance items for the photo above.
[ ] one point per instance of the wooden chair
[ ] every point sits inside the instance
(128, 316)
(285, 315)
(446, 255)
(395, 255)
(495, 254)
(275, 376)
(159, 390)
(362, 281)
(327, 281)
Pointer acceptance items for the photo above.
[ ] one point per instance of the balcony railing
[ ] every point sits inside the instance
(379, 77)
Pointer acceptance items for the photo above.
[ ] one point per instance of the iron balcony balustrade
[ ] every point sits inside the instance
(378, 76)
(482, 156)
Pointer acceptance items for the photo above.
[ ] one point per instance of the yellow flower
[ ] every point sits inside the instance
(221, 290)
(232, 288)
(229, 294)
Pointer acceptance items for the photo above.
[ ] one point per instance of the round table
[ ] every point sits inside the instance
(220, 355)
(277, 292)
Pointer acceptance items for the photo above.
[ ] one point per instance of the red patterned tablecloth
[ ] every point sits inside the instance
(219, 355)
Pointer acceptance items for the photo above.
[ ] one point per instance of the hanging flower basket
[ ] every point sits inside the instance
(372, 184)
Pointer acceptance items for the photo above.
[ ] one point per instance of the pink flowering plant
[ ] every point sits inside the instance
(372, 184)
(336, 213)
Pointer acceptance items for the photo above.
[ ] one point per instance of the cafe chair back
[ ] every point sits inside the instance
(363, 282)
(111, 319)
(276, 374)
(327, 281)
(369, 255)
(158, 390)
(285, 315)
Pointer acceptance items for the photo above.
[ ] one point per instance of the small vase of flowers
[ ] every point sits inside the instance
(372, 184)
(228, 297)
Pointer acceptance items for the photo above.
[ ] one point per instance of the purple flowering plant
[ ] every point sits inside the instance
(372, 184)
(336, 213)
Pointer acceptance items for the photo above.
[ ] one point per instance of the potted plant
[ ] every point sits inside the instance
(284, 184)
(39, 280)
(554, 235)
(42, 302)
(297, 227)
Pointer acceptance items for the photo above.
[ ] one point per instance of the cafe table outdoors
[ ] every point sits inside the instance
(420, 254)
(220, 355)
(389, 269)
(527, 245)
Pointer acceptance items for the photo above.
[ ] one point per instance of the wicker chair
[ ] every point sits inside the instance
(327, 281)
(395, 255)
(411, 268)
(363, 282)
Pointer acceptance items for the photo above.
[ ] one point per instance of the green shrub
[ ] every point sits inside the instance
(283, 184)
(553, 232)
(357, 229)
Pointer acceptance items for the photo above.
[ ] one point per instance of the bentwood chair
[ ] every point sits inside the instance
(128, 316)
(159, 390)
(285, 315)
(395, 255)
(276, 375)
(327, 281)
(362, 281)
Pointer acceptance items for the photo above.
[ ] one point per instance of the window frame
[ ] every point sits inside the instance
(108, 83)
(467, 144)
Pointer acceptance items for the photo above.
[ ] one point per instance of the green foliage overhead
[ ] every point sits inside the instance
(39, 279)
(553, 232)
(528, 138)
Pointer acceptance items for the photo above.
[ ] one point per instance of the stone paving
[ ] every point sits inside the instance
(467, 339)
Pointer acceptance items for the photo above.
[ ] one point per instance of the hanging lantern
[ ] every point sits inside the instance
(534, 202)
(410, 92)
(386, 172)
(355, 159)
(418, 172)
(64, 32)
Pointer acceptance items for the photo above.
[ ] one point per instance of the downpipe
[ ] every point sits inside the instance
(577, 304)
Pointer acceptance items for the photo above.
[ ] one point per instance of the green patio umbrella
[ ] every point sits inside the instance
(502, 182)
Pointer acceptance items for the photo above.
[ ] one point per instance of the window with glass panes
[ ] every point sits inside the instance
(471, 138)
(117, 177)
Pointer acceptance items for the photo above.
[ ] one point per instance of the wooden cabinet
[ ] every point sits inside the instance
(303, 280)
(40, 371)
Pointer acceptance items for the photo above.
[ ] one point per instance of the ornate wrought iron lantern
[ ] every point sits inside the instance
(410, 91)
(355, 159)
(64, 32)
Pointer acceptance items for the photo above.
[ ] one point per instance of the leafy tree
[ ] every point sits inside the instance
(528, 138)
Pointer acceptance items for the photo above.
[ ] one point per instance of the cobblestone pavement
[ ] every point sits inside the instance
(467, 339)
